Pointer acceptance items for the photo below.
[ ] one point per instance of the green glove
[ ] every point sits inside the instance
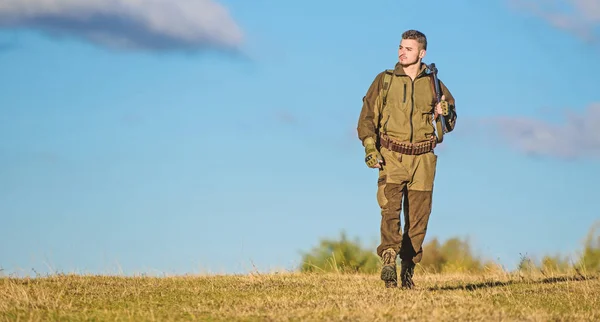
(373, 158)
(444, 105)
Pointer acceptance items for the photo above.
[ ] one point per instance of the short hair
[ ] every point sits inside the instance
(416, 35)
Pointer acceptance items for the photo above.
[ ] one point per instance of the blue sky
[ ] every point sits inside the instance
(189, 137)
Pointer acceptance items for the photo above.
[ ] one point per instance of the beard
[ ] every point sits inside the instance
(407, 63)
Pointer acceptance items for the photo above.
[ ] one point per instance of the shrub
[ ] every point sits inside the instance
(343, 255)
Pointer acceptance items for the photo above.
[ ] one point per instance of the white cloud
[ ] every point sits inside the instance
(580, 17)
(578, 136)
(129, 24)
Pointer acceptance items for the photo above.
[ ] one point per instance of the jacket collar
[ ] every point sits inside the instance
(399, 71)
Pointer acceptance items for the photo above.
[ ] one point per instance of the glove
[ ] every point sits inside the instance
(444, 105)
(372, 157)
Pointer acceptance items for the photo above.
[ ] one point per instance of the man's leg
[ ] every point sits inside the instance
(417, 210)
(389, 197)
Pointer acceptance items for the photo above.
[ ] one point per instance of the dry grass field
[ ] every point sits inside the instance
(301, 297)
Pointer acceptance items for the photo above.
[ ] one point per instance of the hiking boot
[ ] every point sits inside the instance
(406, 273)
(388, 271)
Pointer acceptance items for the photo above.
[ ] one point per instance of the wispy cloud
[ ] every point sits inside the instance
(580, 17)
(286, 117)
(129, 24)
(577, 136)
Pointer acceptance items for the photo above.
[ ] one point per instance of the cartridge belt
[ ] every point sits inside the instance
(406, 147)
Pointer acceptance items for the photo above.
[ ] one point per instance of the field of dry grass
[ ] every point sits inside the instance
(300, 297)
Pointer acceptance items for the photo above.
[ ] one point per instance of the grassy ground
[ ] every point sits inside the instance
(300, 297)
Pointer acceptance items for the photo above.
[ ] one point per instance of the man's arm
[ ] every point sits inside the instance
(451, 117)
(368, 121)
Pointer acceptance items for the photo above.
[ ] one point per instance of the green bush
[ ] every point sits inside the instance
(590, 258)
(342, 256)
(455, 255)
(348, 256)
(587, 261)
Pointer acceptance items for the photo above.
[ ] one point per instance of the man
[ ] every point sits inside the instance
(396, 128)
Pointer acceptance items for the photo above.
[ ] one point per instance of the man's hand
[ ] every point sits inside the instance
(373, 158)
(441, 108)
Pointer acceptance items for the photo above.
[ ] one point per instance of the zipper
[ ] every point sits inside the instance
(412, 106)
(404, 99)
(385, 124)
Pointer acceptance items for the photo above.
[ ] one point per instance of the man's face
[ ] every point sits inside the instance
(409, 52)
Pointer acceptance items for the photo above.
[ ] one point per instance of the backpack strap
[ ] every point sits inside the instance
(385, 87)
(387, 83)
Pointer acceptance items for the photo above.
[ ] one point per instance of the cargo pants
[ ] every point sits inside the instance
(405, 181)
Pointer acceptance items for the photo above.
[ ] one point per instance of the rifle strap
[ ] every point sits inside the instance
(439, 130)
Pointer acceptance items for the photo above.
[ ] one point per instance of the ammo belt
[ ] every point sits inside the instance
(406, 147)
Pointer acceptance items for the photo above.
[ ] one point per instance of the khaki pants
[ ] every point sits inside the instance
(405, 181)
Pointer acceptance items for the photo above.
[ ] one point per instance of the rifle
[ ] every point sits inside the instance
(440, 127)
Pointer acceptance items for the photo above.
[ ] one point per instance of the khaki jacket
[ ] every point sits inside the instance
(408, 113)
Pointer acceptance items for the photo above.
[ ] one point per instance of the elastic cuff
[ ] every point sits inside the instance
(368, 141)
